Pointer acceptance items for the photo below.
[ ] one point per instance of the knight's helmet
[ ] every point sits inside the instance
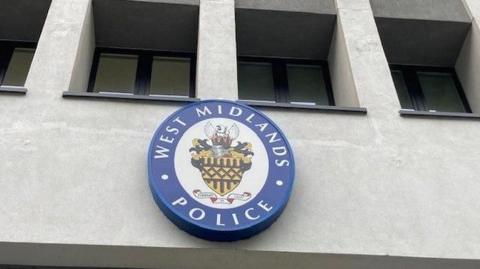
(220, 135)
(224, 141)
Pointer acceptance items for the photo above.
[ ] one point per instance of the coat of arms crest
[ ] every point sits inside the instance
(221, 163)
(205, 177)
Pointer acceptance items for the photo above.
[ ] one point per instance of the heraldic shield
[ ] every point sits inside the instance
(222, 165)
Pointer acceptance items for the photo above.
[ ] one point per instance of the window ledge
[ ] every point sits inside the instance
(124, 97)
(334, 109)
(13, 90)
(414, 113)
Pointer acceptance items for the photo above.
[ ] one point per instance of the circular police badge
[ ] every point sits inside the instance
(220, 170)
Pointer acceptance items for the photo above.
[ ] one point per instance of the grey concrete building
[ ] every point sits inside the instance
(380, 100)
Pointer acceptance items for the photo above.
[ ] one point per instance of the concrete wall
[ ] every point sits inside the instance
(343, 85)
(437, 27)
(84, 56)
(217, 51)
(73, 174)
(468, 61)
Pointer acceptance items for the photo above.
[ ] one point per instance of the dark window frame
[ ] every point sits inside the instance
(414, 88)
(280, 76)
(6, 52)
(144, 68)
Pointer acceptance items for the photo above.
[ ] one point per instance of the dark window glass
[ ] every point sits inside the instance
(15, 63)
(18, 67)
(440, 92)
(284, 81)
(307, 85)
(170, 76)
(255, 81)
(116, 73)
(142, 73)
(429, 89)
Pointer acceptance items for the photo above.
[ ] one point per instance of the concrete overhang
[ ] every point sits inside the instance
(180, 2)
(422, 42)
(430, 10)
(310, 6)
(159, 25)
(285, 34)
(422, 32)
(22, 20)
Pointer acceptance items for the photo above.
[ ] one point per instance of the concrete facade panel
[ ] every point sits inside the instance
(468, 61)
(473, 7)
(73, 175)
(310, 6)
(344, 90)
(467, 65)
(217, 51)
(434, 10)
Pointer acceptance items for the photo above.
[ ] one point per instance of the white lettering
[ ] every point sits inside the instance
(262, 126)
(180, 201)
(250, 217)
(265, 206)
(172, 130)
(273, 137)
(280, 151)
(249, 119)
(281, 163)
(161, 152)
(219, 220)
(199, 217)
(235, 218)
(166, 139)
(203, 112)
(177, 120)
(235, 111)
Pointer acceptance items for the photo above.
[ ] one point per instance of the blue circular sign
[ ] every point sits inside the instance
(220, 170)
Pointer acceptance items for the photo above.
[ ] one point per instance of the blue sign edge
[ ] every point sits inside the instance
(204, 232)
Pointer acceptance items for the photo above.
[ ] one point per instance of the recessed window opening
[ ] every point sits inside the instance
(431, 89)
(427, 47)
(304, 82)
(142, 48)
(288, 64)
(15, 61)
(21, 23)
(134, 72)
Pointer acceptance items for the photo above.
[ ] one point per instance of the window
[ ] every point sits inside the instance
(133, 72)
(284, 81)
(15, 61)
(429, 89)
